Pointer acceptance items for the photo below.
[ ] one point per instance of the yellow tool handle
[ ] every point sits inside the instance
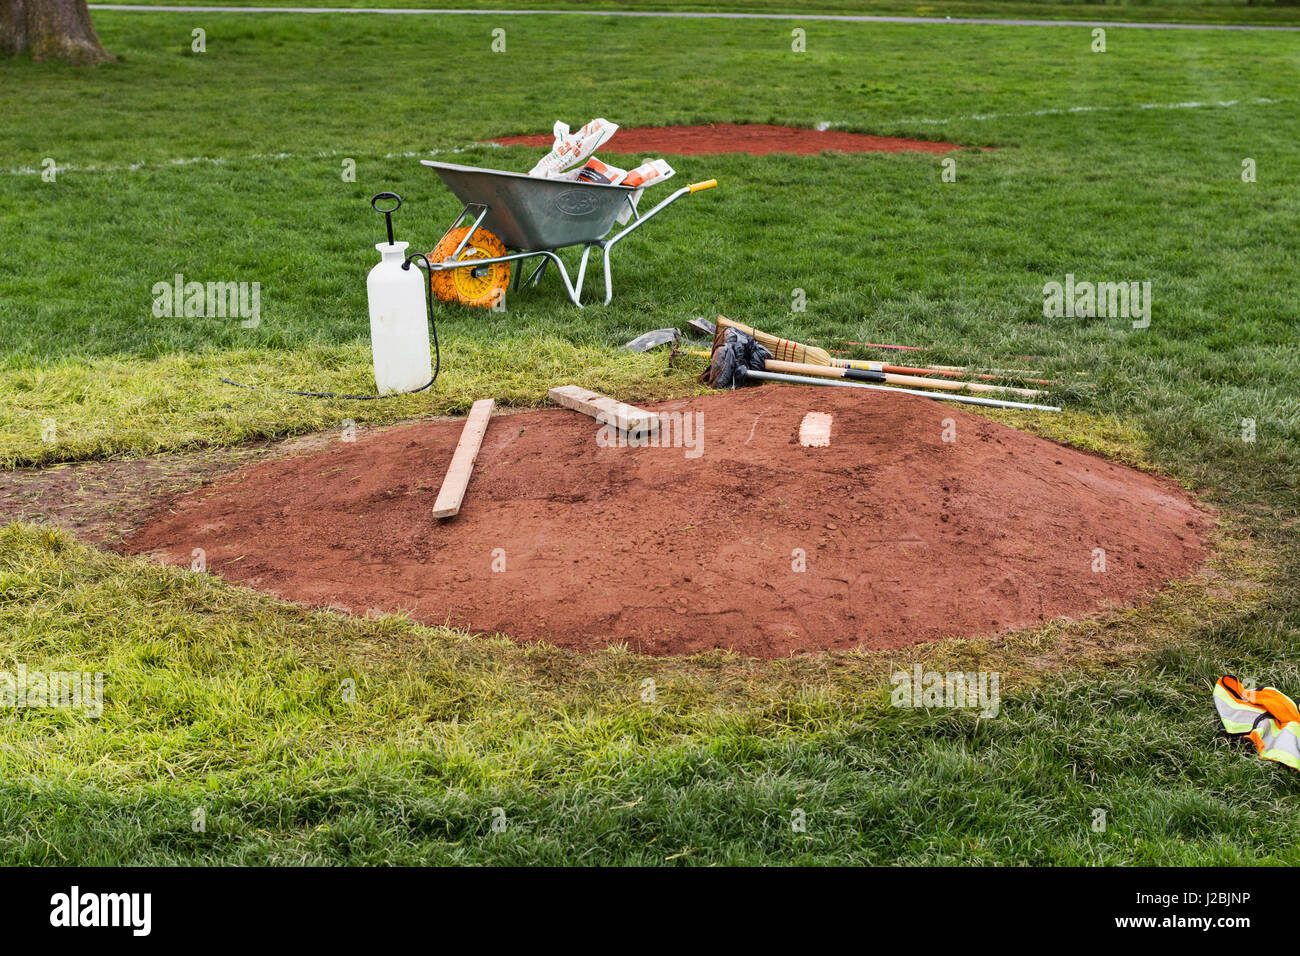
(707, 184)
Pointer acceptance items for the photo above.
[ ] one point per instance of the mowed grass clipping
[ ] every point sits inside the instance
(312, 738)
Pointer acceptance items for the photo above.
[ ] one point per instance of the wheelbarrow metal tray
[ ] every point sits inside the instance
(526, 212)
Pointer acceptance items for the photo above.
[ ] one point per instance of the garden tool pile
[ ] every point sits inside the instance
(742, 354)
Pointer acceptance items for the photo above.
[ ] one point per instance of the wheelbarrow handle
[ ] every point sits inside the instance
(707, 184)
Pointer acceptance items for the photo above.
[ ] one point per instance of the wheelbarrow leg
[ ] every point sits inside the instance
(575, 295)
(609, 285)
(536, 277)
(582, 268)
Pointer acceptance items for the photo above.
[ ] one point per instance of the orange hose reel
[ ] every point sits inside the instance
(479, 286)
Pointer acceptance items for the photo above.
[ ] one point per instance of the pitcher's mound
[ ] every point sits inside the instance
(904, 528)
(757, 139)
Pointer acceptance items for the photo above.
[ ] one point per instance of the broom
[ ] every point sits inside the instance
(738, 357)
(783, 350)
(786, 350)
(944, 371)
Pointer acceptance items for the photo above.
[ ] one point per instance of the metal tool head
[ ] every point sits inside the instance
(644, 343)
(703, 325)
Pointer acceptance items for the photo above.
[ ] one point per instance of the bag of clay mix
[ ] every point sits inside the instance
(597, 171)
(572, 148)
(654, 171)
(647, 174)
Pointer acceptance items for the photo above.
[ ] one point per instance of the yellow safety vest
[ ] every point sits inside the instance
(1268, 716)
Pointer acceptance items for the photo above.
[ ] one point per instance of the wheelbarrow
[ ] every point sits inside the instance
(512, 217)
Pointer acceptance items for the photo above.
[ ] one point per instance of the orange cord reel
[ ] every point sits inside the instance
(479, 286)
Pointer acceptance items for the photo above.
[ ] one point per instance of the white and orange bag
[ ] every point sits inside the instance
(597, 171)
(647, 174)
(574, 148)
(654, 171)
(571, 148)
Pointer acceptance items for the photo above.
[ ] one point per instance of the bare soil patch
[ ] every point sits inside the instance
(756, 139)
(903, 537)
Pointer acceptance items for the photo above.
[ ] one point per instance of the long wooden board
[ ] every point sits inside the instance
(626, 418)
(453, 488)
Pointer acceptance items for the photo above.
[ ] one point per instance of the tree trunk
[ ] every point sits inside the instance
(50, 29)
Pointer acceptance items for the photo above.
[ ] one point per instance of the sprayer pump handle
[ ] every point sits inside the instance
(388, 213)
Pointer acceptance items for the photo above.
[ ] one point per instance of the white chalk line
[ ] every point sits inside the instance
(698, 15)
(1066, 111)
(823, 126)
(223, 160)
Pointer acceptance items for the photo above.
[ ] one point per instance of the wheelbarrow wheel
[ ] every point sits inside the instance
(480, 286)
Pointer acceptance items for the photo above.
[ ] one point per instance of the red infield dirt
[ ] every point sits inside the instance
(904, 537)
(757, 139)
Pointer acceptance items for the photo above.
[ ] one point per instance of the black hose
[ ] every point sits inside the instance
(437, 355)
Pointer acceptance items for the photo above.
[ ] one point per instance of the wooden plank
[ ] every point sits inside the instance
(453, 488)
(627, 418)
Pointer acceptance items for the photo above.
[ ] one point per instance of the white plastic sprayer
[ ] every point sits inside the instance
(401, 303)
(399, 326)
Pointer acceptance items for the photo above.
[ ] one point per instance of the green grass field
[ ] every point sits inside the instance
(227, 165)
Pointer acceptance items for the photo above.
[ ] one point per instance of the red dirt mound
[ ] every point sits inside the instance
(904, 537)
(757, 139)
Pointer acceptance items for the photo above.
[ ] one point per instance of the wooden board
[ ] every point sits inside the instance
(453, 488)
(626, 418)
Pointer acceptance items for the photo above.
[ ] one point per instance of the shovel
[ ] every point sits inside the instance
(644, 343)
